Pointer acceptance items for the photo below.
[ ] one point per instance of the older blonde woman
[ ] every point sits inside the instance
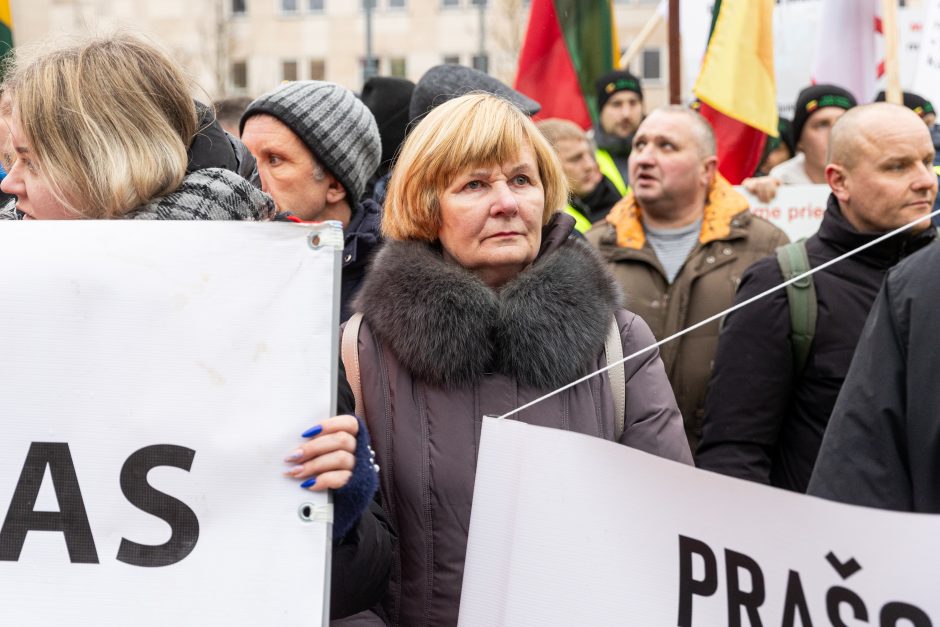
(479, 302)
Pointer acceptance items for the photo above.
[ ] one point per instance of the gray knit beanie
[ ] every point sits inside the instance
(445, 82)
(338, 129)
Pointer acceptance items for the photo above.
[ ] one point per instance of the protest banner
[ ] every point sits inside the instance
(568, 529)
(797, 210)
(153, 377)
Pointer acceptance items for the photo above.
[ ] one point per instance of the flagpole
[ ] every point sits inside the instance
(675, 54)
(889, 23)
(640, 40)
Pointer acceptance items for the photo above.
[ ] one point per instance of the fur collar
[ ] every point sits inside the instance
(543, 329)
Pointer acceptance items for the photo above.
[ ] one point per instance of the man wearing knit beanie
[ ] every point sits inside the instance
(817, 109)
(317, 145)
(620, 111)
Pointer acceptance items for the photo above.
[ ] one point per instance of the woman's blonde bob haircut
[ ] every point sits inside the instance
(107, 120)
(476, 130)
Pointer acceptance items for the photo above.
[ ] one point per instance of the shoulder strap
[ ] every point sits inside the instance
(613, 348)
(801, 297)
(350, 353)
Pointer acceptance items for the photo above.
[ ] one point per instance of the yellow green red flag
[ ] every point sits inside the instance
(736, 83)
(6, 27)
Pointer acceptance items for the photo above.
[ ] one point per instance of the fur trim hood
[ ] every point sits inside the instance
(544, 328)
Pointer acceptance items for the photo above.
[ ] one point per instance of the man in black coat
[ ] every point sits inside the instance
(882, 447)
(764, 420)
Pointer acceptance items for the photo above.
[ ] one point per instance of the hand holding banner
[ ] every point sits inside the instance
(154, 375)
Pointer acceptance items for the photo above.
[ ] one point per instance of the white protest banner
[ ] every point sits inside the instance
(797, 210)
(153, 377)
(568, 529)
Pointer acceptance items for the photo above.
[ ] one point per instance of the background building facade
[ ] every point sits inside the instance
(245, 47)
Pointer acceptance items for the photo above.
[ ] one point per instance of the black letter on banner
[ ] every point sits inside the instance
(838, 595)
(739, 599)
(71, 519)
(895, 611)
(795, 599)
(182, 520)
(689, 587)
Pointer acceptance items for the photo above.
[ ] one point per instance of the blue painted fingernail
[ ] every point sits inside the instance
(312, 431)
(309, 483)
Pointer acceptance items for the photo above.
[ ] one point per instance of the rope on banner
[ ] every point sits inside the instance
(720, 315)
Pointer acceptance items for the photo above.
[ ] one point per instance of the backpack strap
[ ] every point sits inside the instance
(350, 354)
(613, 349)
(801, 297)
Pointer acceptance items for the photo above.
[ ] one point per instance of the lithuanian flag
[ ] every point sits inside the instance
(6, 28)
(568, 45)
(736, 84)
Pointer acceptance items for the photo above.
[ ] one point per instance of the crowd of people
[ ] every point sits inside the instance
(490, 259)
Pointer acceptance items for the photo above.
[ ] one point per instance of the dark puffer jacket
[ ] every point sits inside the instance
(362, 240)
(439, 349)
(764, 422)
(882, 448)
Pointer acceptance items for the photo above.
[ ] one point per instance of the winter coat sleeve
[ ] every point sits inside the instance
(652, 422)
(362, 558)
(863, 460)
(751, 384)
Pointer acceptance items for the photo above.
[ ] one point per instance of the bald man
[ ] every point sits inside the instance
(765, 417)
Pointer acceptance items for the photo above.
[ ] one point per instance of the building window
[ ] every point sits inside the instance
(288, 6)
(478, 3)
(651, 64)
(452, 59)
(368, 4)
(238, 7)
(289, 71)
(396, 4)
(317, 70)
(240, 75)
(481, 62)
(397, 67)
(448, 4)
(315, 6)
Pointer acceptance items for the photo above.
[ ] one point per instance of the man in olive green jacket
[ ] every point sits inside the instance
(679, 243)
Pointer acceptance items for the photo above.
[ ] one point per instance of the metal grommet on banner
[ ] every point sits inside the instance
(314, 240)
(310, 512)
(305, 511)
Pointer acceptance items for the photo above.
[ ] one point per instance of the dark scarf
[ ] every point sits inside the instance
(544, 328)
(208, 194)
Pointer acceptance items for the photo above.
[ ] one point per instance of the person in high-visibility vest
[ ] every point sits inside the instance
(621, 109)
(592, 193)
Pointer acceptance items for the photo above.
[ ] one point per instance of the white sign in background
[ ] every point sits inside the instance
(214, 338)
(796, 38)
(797, 210)
(568, 529)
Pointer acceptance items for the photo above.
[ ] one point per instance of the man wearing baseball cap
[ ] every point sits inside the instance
(620, 107)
